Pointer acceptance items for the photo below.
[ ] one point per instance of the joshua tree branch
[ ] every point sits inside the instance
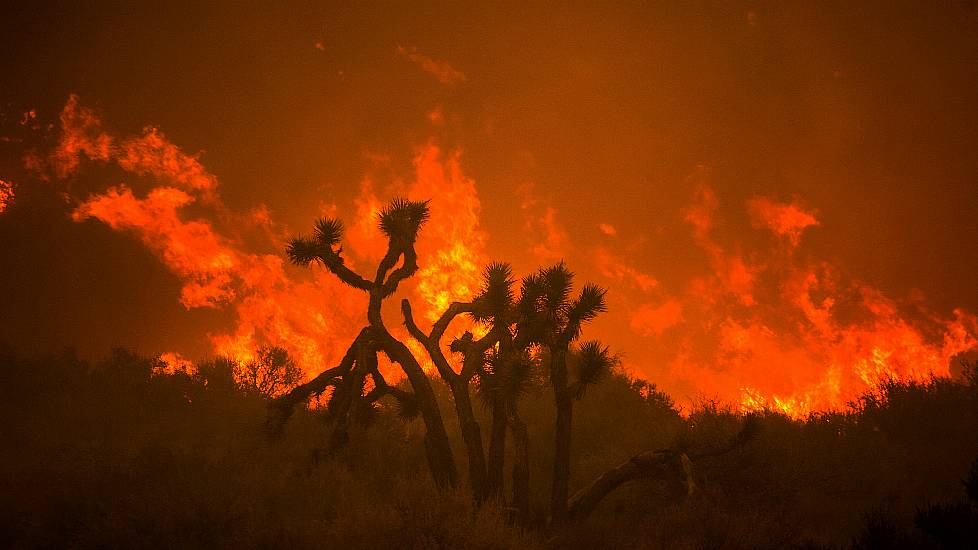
(431, 344)
(661, 463)
(476, 351)
(747, 433)
(382, 388)
(281, 408)
(407, 269)
(387, 262)
(409, 323)
(454, 310)
(334, 263)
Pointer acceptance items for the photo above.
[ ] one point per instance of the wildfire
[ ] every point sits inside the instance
(774, 330)
(313, 319)
(172, 362)
(763, 327)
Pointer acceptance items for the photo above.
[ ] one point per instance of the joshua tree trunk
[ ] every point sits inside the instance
(562, 436)
(562, 449)
(437, 446)
(521, 464)
(339, 410)
(472, 436)
(438, 449)
(497, 449)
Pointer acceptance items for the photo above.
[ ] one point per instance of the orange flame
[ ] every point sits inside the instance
(172, 362)
(191, 249)
(785, 220)
(6, 195)
(770, 330)
(81, 132)
(763, 328)
(314, 319)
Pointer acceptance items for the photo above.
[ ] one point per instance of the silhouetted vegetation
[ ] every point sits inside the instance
(135, 452)
(517, 331)
(123, 453)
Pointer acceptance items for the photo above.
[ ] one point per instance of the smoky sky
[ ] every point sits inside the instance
(863, 113)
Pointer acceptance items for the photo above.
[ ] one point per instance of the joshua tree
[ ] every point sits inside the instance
(490, 359)
(494, 306)
(400, 222)
(555, 320)
(474, 353)
(503, 360)
(503, 380)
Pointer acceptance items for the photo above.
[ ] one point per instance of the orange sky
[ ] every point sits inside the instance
(781, 199)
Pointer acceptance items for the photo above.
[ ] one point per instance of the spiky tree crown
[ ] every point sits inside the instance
(495, 300)
(508, 375)
(531, 290)
(594, 363)
(303, 250)
(586, 307)
(557, 283)
(546, 311)
(462, 343)
(329, 231)
(402, 219)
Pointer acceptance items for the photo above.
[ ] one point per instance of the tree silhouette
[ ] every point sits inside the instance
(518, 335)
(400, 221)
(503, 379)
(271, 373)
(474, 352)
(555, 320)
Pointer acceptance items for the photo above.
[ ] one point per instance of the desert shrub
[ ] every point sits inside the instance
(117, 453)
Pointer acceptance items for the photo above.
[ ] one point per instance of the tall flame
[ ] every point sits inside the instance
(773, 330)
(315, 317)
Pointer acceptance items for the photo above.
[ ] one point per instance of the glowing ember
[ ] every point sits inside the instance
(6, 195)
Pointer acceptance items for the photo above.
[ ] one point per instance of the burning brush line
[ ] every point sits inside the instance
(763, 328)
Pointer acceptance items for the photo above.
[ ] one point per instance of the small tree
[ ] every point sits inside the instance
(555, 320)
(271, 373)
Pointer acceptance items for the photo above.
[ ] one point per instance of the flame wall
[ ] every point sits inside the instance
(760, 322)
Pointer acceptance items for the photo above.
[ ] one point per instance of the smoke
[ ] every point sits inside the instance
(442, 71)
